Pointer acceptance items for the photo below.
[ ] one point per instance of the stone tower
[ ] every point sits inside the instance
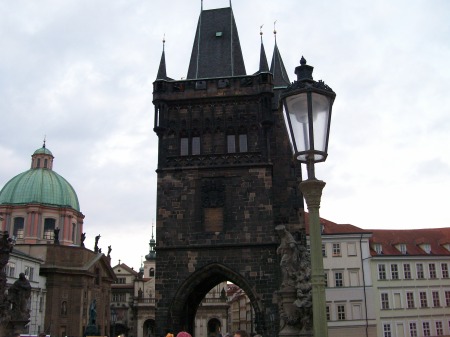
(226, 178)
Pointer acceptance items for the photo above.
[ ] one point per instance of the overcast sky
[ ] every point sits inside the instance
(81, 72)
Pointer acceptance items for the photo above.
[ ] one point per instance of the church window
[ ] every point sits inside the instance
(231, 144)
(243, 143)
(74, 231)
(152, 272)
(196, 145)
(184, 146)
(38, 163)
(45, 163)
(18, 227)
(49, 227)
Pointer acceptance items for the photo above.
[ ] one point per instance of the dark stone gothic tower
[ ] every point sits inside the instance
(226, 178)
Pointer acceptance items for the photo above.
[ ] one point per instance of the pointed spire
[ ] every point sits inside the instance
(216, 51)
(280, 77)
(162, 75)
(263, 66)
(152, 253)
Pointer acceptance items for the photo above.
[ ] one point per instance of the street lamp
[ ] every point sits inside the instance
(307, 115)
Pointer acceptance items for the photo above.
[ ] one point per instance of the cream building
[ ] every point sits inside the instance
(410, 270)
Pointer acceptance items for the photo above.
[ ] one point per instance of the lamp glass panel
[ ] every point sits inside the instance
(321, 115)
(297, 108)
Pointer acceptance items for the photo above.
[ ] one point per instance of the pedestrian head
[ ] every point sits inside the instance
(241, 333)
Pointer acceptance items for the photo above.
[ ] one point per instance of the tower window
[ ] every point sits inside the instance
(243, 143)
(38, 163)
(231, 144)
(45, 163)
(184, 146)
(152, 272)
(196, 145)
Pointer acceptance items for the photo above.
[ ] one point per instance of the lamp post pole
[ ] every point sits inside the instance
(312, 191)
(307, 116)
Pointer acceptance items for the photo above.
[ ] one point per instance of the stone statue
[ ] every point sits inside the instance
(18, 295)
(97, 238)
(6, 247)
(289, 251)
(92, 328)
(109, 251)
(295, 295)
(93, 312)
(83, 237)
(56, 236)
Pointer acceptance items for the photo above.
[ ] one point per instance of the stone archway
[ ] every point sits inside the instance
(149, 328)
(213, 328)
(189, 295)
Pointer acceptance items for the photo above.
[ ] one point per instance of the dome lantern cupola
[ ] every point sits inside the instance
(42, 158)
(39, 204)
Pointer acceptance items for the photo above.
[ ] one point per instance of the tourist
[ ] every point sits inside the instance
(240, 333)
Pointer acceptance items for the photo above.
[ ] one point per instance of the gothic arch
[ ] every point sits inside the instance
(189, 295)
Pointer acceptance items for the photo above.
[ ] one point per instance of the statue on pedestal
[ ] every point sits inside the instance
(294, 296)
(19, 295)
(92, 327)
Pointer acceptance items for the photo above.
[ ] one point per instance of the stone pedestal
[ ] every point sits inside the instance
(91, 330)
(291, 317)
(12, 327)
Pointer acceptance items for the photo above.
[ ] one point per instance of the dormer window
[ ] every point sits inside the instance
(426, 247)
(402, 248)
(378, 248)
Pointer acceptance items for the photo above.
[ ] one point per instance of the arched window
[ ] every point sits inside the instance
(18, 229)
(63, 308)
(49, 227)
(151, 272)
(74, 232)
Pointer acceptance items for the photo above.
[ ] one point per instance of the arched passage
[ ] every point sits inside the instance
(149, 328)
(189, 295)
(213, 327)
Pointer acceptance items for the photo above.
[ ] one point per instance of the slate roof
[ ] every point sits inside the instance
(216, 51)
(280, 76)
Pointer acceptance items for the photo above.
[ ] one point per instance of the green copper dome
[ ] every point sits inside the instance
(40, 185)
(43, 150)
